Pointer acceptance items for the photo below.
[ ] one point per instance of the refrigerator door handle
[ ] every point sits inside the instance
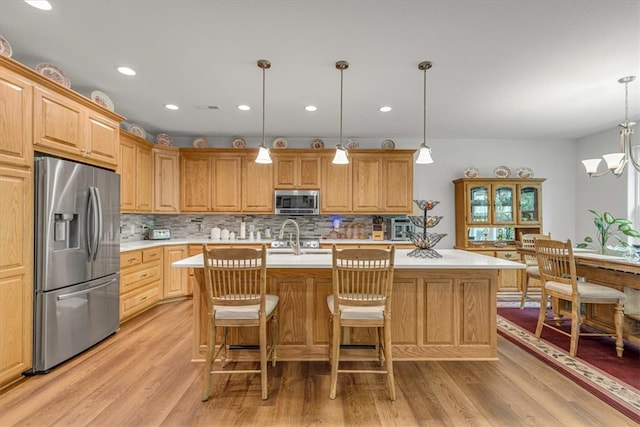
(92, 225)
(84, 291)
(99, 222)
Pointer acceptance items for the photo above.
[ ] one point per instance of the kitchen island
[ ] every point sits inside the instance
(442, 309)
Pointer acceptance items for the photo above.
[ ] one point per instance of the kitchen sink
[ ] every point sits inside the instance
(288, 251)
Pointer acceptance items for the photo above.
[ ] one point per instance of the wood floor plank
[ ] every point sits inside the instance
(143, 376)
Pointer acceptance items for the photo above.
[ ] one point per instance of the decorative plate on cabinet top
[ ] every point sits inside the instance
(137, 130)
(102, 99)
(317, 143)
(200, 142)
(352, 143)
(5, 47)
(280, 143)
(502, 172)
(164, 139)
(54, 73)
(239, 143)
(525, 173)
(388, 144)
(471, 173)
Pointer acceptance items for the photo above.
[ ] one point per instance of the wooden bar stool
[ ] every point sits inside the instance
(236, 280)
(362, 285)
(532, 271)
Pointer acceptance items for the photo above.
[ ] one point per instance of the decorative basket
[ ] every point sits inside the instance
(425, 240)
(419, 221)
(426, 204)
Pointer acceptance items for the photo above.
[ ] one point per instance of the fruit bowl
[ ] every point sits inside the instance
(427, 241)
(426, 204)
(419, 221)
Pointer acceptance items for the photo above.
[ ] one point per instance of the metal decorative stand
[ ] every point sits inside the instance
(425, 241)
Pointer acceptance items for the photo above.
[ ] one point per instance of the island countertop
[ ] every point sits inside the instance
(451, 259)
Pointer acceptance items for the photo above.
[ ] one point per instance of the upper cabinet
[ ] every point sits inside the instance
(296, 170)
(496, 209)
(257, 186)
(382, 181)
(136, 174)
(336, 187)
(166, 179)
(16, 93)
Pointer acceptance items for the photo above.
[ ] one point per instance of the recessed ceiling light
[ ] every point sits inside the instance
(385, 108)
(39, 4)
(126, 71)
(311, 108)
(171, 107)
(244, 107)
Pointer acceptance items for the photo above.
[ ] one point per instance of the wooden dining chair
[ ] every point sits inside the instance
(558, 273)
(531, 271)
(236, 282)
(361, 298)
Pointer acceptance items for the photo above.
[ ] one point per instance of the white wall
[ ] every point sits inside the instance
(606, 193)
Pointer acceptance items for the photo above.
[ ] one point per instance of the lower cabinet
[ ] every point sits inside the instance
(140, 281)
(175, 283)
(508, 280)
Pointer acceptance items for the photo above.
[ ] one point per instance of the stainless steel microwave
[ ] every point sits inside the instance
(297, 202)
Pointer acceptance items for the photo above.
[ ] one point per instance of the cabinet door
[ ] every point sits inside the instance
(335, 191)
(127, 169)
(58, 123)
(284, 172)
(16, 273)
(504, 196)
(143, 179)
(103, 139)
(16, 125)
(529, 204)
(397, 180)
(367, 176)
(227, 184)
(195, 184)
(175, 279)
(257, 187)
(165, 180)
(308, 172)
(478, 201)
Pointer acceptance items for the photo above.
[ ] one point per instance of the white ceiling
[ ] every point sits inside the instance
(502, 69)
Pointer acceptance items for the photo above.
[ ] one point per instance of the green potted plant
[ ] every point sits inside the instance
(608, 226)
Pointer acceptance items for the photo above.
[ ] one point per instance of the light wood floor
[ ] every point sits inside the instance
(142, 376)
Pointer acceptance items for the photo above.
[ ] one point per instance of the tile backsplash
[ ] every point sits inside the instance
(133, 226)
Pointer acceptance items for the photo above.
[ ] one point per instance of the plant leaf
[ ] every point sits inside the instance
(588, 239)
(608, 218)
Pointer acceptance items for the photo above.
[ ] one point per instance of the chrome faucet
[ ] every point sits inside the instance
(295, 246)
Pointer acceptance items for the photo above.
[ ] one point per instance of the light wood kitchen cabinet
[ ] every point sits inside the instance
(16, 126)
(166, 179)
(336, 187)
(257, 186)
(227, 183)
(135, 173)
(195, 182)
(382, 181)
(71, 130)
(16, 272)
(175, 279)
(508, 280)
(141, 284)
(296, 171)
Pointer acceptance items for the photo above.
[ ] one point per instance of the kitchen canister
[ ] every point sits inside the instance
(232, 236)
(215, 233)
(224, 234)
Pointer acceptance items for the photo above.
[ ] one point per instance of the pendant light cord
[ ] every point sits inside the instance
(263, 96)
(341, 82)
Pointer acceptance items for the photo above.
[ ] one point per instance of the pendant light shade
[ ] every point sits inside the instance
(263, 151)
(341, 157)
(424, 156)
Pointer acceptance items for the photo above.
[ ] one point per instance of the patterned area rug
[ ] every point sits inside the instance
(610, 389)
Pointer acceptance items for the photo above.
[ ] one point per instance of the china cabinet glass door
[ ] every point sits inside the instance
(480, 202)
(503, 204)
(529, 206)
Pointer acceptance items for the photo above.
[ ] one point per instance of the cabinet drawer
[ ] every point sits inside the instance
(128, 259)
(149, 255)
(139, 300)
(133, 279)
(508, 255)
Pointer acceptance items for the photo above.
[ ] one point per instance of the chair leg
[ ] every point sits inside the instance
(274, 339)
(335, 356)
(263, 356)
(224, 346)
(542, 314)
(575, 328)
(381, 346)
(387, 351)
(211, 349)
(619, 320)
(525, 290)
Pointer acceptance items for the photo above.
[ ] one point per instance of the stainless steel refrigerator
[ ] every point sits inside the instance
(77, 259)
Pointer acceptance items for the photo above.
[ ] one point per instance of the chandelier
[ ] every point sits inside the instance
(616, 162)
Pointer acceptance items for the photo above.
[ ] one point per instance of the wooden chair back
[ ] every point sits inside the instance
(528, 242)
(363, 277)
(235, 276)
(556, 262)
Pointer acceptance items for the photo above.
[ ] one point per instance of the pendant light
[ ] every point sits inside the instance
(616, 162)
(424, 156)
(263, 151)
(341, 152)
